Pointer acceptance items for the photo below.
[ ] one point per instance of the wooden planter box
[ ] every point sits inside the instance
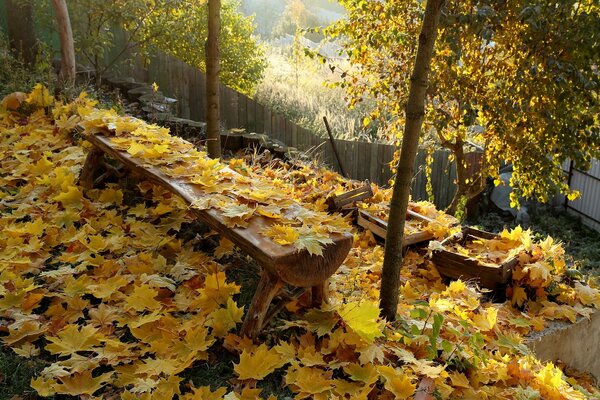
(379, 227)
(454, 265)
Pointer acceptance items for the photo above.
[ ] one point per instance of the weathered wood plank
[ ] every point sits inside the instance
(250, 115)
(259, 118)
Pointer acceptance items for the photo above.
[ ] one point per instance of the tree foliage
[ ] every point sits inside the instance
(176, 27)
(519, 78)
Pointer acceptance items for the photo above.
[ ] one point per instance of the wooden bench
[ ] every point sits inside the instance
(280, 264)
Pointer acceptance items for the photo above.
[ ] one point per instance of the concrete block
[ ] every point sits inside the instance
(577, 345)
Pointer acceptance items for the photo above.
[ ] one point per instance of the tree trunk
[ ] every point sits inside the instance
(67, 48)
(415, 111)
(466, 168)
(462, 187)
(213, 132)
(21, 34)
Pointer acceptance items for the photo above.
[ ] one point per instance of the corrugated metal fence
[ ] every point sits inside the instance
(588, 183)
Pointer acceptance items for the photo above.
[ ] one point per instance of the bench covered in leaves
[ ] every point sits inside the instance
(292, 244)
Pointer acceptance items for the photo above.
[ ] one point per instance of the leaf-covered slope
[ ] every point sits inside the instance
(102, 285)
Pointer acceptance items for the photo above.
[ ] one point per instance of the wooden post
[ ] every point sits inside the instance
(267, 288)
(86, 179)
(333, 146)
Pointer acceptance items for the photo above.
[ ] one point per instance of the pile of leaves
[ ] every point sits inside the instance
(103, 286)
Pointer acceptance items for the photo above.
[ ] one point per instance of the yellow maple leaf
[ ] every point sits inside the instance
(137, 149)
(486, 319)
(217, 290)
(72, 339)
(225, 319)
(281, 234)
(459, 380)
(143, 298)
(587, 295)
(237, 211)
(27, 350)
(310, 381)
(258, 363)
(224, 248)
(96, 243)
(312, 241)
(539, 270)
(397, 382)
(203, 393)
(72, 197)
(40, 96)
(519, 296)
(43, 166)
(44, 387)
(362, 318)
(112, 196)
(82, 383)
(363, 373)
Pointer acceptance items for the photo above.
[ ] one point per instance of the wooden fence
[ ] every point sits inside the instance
(361, 160)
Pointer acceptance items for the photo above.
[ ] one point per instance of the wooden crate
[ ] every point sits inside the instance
(379, 227)
(454, 265)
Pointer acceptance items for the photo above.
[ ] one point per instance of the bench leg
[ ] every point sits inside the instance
(319, 294)
(86, 179)
(267, 288)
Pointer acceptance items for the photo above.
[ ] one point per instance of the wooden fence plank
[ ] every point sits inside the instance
(250, 114)
(294, 140)
(194, 93)
(267, 121)
(259, 118)
(185, 82)
(281, 127)
(373, 162)
(242, 111)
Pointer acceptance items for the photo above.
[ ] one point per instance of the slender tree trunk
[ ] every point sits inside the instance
(67, 48)
(468, 166)
(462, 187)
(213, 133)
(21, 34)
(415, 111)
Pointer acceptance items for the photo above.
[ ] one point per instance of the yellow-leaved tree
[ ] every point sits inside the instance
(518, 78)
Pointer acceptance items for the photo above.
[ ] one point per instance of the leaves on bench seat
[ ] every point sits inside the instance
(243, 196)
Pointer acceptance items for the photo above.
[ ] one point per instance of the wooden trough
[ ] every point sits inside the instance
(455, 265)
(379, 227)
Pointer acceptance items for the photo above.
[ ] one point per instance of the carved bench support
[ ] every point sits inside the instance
(320, 294)
(86, 179)
(267, 288)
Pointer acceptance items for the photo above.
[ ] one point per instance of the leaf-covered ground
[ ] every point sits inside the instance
(116, 297)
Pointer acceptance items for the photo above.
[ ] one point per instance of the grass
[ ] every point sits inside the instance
(582, 244)
(294, 86)
(16, 373)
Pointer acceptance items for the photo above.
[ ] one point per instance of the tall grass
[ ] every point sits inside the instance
(295, 86)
